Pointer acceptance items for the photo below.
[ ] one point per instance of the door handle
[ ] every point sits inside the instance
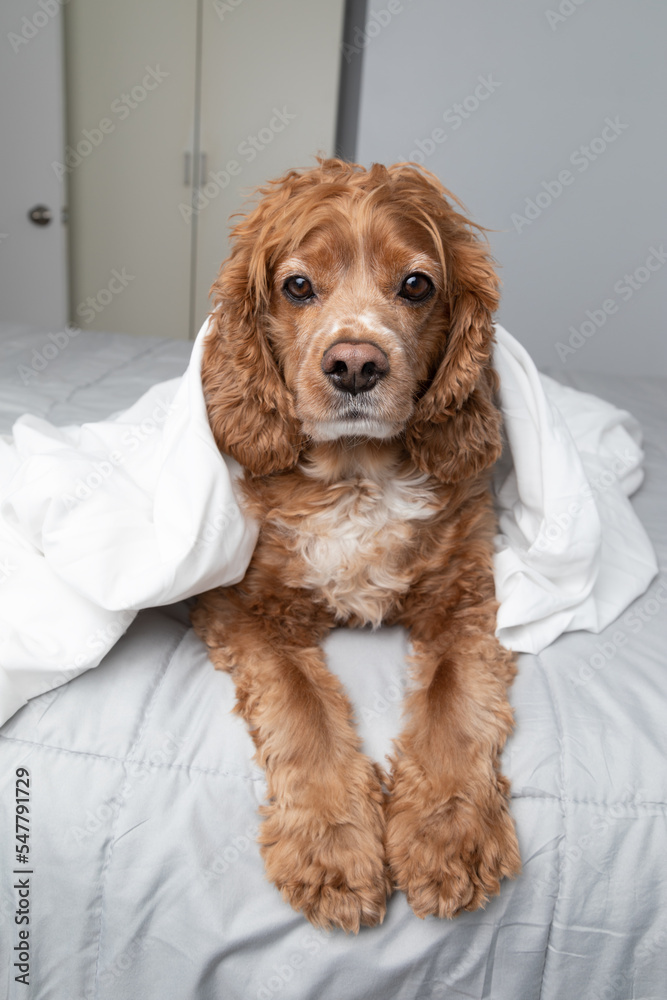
(40, 215)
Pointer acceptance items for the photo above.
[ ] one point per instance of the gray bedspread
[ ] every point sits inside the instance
(144, 879)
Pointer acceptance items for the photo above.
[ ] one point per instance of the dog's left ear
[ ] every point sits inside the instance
(455, 431)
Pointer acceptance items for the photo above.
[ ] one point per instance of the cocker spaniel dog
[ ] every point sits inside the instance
(348, 370)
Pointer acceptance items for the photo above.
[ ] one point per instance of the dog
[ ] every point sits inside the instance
(348, 369)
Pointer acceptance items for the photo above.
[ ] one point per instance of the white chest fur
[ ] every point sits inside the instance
(352, 548)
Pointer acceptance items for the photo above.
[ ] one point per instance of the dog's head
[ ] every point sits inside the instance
(355, 303)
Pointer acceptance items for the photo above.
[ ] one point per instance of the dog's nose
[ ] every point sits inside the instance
(355, 365)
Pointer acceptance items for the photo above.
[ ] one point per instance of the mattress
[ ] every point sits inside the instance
(142, 876)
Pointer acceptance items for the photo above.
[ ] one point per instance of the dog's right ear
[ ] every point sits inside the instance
(250, 409)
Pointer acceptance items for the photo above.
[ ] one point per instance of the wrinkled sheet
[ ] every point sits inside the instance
(144, 795)
(571, 553)
(101, 519)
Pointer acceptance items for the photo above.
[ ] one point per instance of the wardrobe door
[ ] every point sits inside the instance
(131, 71)
(269, 92)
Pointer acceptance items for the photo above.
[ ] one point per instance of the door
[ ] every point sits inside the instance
(239, 92)
(270, 78)
(131, 84)
(33, 252)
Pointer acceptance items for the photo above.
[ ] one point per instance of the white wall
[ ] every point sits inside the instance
(555, 73)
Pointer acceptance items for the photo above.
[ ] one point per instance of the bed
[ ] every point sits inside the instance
(145, 880)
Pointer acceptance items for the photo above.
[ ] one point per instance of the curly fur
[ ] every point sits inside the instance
(392, 523)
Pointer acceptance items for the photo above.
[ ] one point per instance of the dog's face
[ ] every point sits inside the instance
(356, 323)
(355, 304)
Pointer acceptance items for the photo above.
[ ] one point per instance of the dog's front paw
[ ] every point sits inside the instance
(331, 869)
(449, 855)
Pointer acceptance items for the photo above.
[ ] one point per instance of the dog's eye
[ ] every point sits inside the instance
(416, 287)
(298, 288)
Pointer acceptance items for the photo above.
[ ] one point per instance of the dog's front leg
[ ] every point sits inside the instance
(450, 837)
(323, 831)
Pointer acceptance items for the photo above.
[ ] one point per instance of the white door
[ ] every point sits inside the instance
(270, 74)
(33, 253)
(269, 81)
(131, 86)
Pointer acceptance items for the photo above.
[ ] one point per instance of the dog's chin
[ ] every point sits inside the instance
(343, 427)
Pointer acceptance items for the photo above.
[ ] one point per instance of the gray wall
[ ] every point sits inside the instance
(558, 143)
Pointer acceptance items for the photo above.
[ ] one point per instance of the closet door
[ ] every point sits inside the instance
(268, 103)
(176, 109)
(131, 97)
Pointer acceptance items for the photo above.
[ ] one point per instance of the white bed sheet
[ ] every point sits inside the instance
(147, 883)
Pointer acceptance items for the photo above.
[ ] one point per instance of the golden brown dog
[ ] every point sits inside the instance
(348, 370)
